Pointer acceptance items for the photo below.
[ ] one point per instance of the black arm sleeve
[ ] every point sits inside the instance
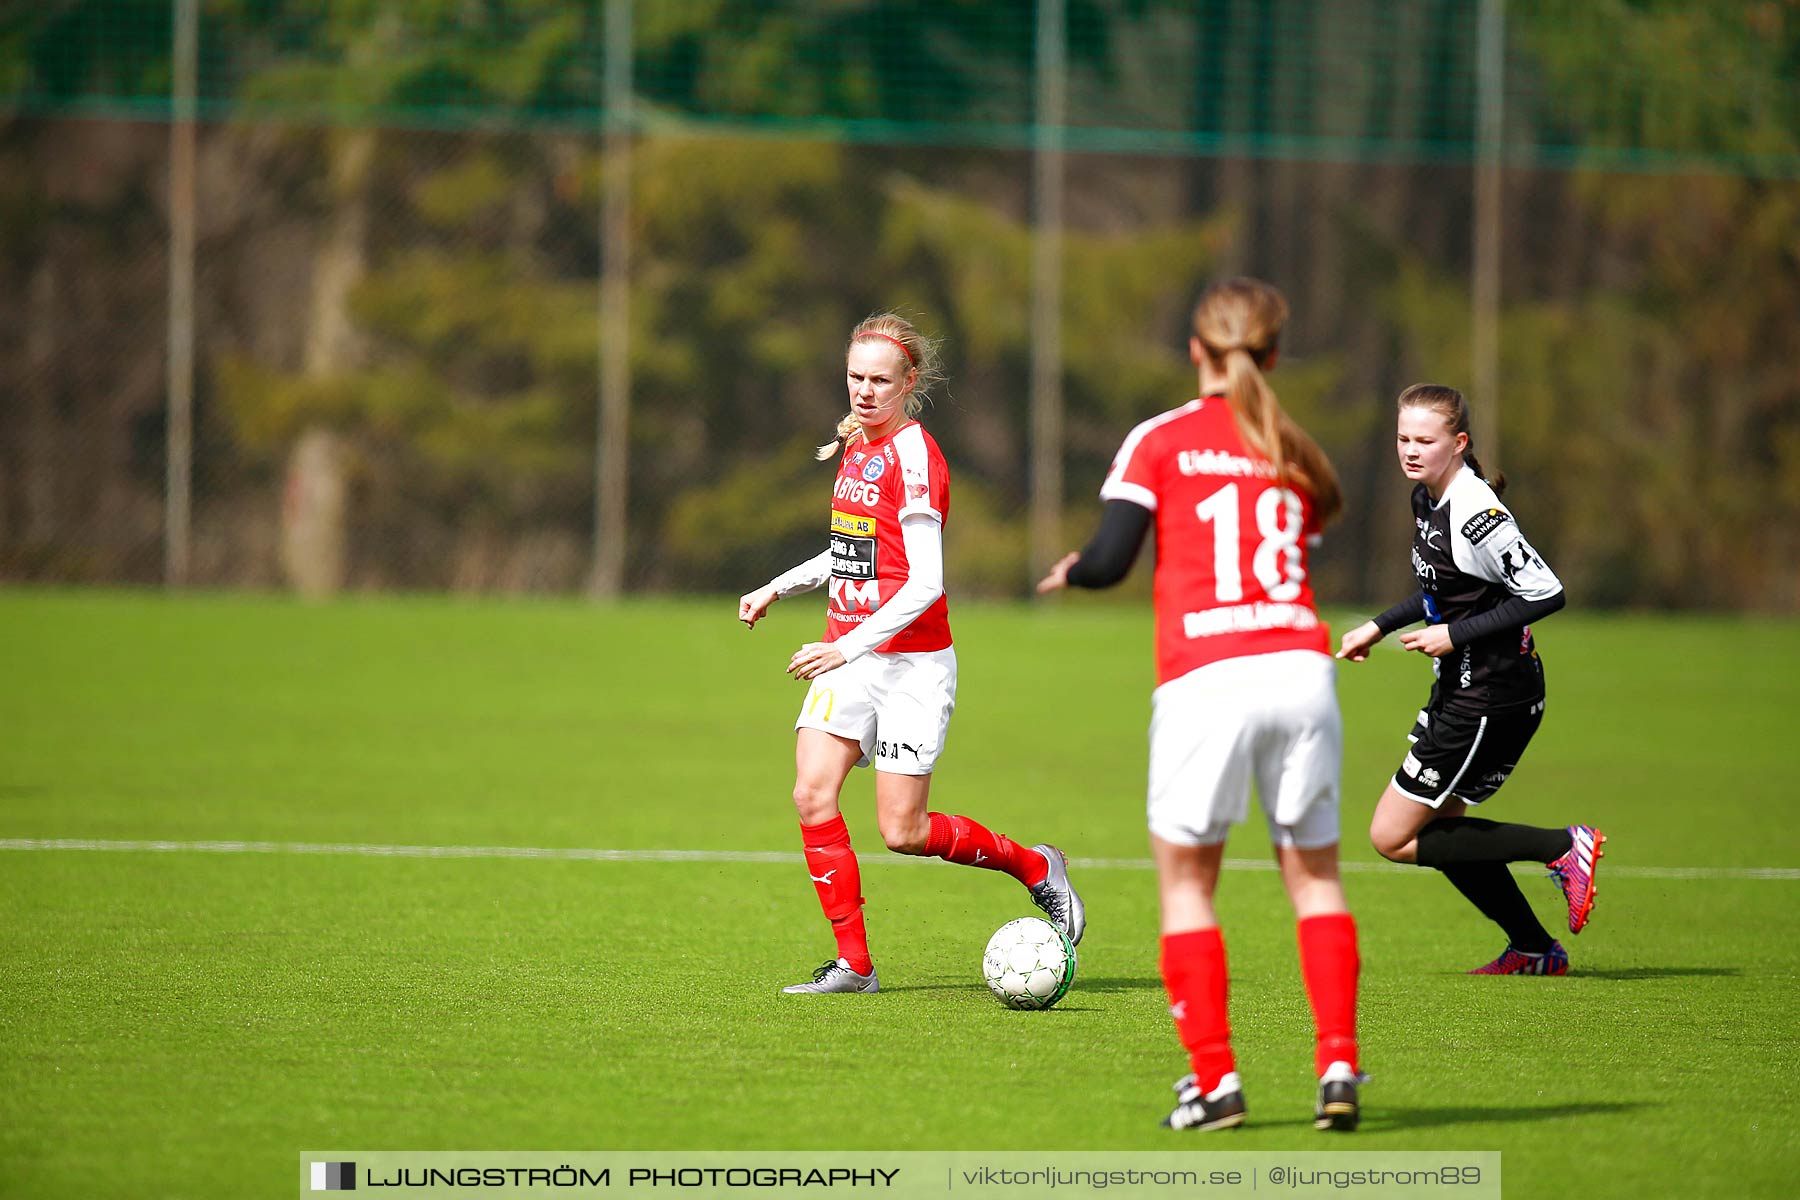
(1402, 614)
(1514, 612)
(1108, 556)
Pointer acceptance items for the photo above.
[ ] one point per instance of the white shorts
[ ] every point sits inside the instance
(897, 706)
(1269, 717)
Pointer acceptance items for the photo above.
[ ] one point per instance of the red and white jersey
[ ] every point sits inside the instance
(1231, 572)
(877, 484)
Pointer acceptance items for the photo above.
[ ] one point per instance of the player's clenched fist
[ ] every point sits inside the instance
(752, 605)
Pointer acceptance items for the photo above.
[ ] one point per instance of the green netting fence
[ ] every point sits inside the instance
(362, 339)
(1603, 83)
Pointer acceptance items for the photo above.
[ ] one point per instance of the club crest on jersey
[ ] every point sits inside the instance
(876, 468)
(1480, 525)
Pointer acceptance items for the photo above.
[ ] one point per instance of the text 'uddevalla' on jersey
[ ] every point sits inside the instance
(878, 484)
(1231, 569)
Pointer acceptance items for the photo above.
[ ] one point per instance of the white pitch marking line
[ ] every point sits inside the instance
(367, 850)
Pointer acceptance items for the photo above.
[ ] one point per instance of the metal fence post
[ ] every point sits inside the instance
(179, 436)
(612, 458)
(1051, 74)
(1484, 344)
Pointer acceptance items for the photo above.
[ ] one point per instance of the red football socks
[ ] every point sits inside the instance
(971, 844)
(832, 864)
(1193, 971)
(1330, 964)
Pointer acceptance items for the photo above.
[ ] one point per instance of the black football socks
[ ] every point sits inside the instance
(1491, 888)
(1452, 841)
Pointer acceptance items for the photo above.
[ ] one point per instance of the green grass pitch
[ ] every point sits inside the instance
(201, 1017)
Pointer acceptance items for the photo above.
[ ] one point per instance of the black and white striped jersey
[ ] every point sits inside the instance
(1470, 557)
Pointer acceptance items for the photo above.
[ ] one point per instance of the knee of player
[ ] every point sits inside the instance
(1388, 843)
(905, 837)
(814, 803)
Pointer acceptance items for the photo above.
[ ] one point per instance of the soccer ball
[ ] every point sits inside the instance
(1029, 963)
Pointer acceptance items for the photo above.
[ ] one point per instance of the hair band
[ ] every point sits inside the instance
(890, 337)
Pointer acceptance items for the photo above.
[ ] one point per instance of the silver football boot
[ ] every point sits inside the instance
(1058, 897)
(835, 976)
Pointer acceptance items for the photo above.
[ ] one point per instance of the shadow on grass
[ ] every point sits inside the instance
(1382, 1117)
(1629, 973)
(1139, 984)
(1144, 983)
(1082, 984)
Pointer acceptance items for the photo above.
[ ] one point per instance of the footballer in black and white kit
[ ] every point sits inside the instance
(1481, 585)
(1479, 576)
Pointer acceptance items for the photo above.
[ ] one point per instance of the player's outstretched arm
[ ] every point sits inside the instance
(1058, 578)
(804, 578)
(1108, 555)
(1357, 642)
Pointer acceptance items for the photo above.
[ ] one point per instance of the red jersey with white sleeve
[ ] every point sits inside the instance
(878, 484)
(1231, 576)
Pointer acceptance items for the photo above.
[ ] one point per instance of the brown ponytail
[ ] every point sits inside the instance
(1238, 322)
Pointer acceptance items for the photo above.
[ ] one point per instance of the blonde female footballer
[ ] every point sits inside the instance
(883, 679)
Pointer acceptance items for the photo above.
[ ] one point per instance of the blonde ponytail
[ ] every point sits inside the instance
(848, 430)
(1257, 410)
(1238, 323)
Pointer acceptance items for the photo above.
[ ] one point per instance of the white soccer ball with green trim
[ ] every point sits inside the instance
(1029, 963)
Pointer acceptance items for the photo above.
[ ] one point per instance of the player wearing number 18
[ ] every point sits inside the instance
(1245, 687)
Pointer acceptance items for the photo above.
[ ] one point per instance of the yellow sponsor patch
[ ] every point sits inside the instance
(855, 526)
